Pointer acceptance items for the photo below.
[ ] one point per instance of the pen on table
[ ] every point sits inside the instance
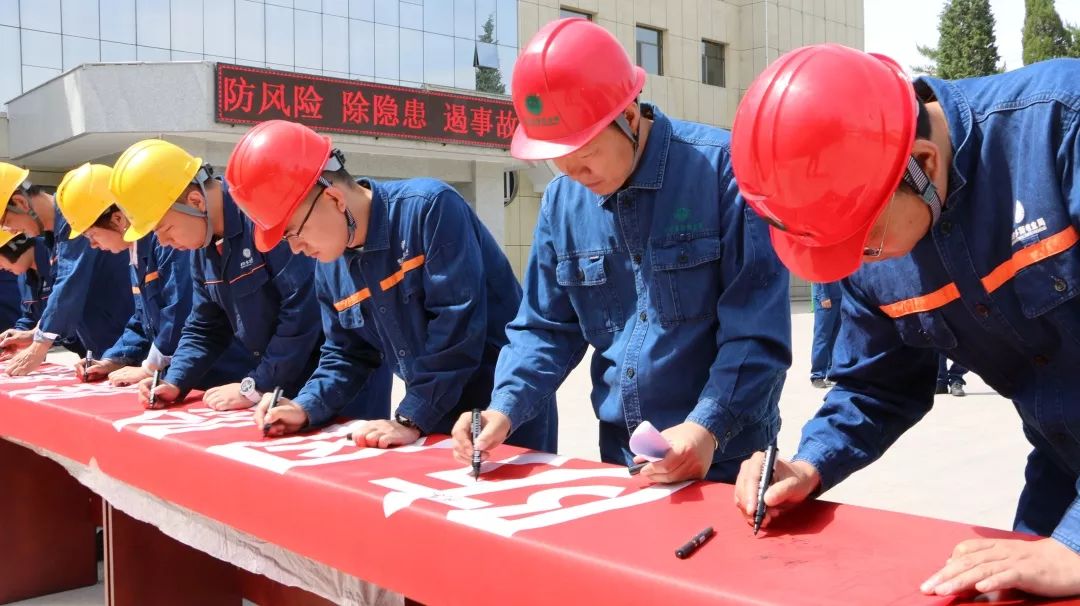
(693, 544)
(636, 468)
(153, 388)
(475, 436)
(273, 402)
(87, 363)
(766, 481)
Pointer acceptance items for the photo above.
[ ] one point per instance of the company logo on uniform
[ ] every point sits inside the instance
(535, 106)
(682, 223)
(1025, 231)
(247, 258)
(247, 253)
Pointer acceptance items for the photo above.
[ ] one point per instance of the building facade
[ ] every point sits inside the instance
(82, 79)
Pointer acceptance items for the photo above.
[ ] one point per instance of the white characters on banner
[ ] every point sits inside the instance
(545, 506)
(160, 423)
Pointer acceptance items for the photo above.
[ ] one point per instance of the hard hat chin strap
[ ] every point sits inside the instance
(915, 177)
(24, 189)
(624, 126)
(204, 174)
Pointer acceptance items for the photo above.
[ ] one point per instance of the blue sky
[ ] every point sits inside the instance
(894, 27)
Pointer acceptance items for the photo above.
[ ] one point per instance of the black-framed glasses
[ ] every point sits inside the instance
(322, 184)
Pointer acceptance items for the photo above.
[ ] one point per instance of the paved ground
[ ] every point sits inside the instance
(964, 462)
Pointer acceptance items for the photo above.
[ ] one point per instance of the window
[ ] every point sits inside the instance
(650, 50)
(712, 63)
(569, 13)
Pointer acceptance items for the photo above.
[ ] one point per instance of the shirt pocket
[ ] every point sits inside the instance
(351, 318)
(243, 301)
(926, 330)
(1047, 290)
(594, 299)
(686, 275)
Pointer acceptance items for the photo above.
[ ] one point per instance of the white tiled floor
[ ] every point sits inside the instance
(935, 470)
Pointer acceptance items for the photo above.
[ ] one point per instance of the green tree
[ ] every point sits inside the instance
(489, 79)
(1045, 36)
(966, 43)
(1074, 31)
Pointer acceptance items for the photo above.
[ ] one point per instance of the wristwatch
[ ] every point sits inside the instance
(407, 422)
(247, 389)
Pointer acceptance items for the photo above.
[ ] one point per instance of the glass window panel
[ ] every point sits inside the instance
(115, 51)
(361, 48)
(650, 55)
(308, 5)
(567, 13)
(485, 10)
(464, 71)
(438, 59)
(362, 9)
(220, 59)
(333, 74)
(309, 45)
(306, 70)
(411, 56)
(250, 63)
(186, 56)
(80, 50)
(152, 53)
(9, 15)
(386, 12)
(339, 8)
(187, 29)
(285, 3)
(41, 49)
(386, 52)
(507, 57)
(439, 17)
(219, 36)
(465, 19)
(712, 63)
(119, 26)
(33, 76)
(41, 15)
(11, 67)
(80, 18)
(412, 15)
(279, 35)
(153, 23)
(506, 19)
(250, 39)
(487, 55)
(335, 48)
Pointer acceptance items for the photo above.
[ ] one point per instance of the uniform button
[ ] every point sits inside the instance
(401, 352)
(256, 354)
(1041, 360)
(637, 259)
(382, 309)
(1060, 285)
(946, 227)
(643, 316)
(982, 310)
(683, 258)
(629, 373)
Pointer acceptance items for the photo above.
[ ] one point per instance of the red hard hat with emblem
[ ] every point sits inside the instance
(570, 82)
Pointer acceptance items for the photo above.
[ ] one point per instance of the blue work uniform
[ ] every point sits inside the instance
(161, 284)
(266, 301)
(431, 291)
(826, 327)
(674, 283)
(993, 285)
(90, 297)
(10, 300)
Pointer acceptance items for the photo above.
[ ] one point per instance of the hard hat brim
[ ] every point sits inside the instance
(267, 239)
(821, 263)
(140, 229)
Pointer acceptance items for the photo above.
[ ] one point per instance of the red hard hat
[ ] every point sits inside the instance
(819, 145)
(271, 170)
(570, 81)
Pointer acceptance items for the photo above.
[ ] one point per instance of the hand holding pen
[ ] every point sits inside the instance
(792, 482)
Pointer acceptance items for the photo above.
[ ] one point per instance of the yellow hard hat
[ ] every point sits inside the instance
(6, 236)
(147, 179)
(84, 195)
(11, 177)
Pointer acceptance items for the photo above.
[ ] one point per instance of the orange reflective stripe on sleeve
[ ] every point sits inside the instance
(399, 275)
(135, 290)
(352, 299)
(1054, 245)
(150, 277)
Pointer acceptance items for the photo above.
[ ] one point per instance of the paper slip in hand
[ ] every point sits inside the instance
(647, 442)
